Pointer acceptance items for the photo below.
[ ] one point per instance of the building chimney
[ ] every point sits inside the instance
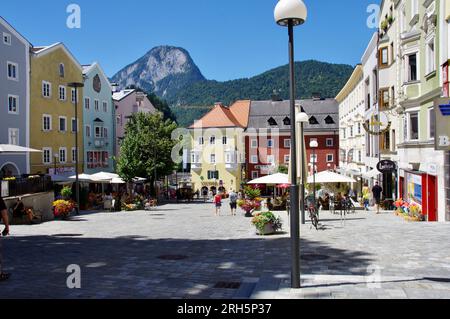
(316, 96)
(276, 96)
(115, 87)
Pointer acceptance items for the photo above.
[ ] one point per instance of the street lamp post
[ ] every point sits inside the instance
(76, 86)
(313, 145)
(291, 13)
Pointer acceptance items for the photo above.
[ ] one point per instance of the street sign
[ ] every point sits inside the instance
(386, 166)
(442, 109)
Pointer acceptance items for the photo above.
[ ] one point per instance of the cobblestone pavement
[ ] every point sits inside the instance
(130, 255)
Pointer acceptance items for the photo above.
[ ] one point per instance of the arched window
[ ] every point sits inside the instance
(61, 70)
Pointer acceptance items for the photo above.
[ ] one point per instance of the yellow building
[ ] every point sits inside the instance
(52, 110)
(218, 148)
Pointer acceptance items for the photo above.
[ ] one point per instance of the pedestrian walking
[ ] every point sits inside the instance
(366, 196)
(218, 203)
(5, 232)
(377, 191)
(233, 202)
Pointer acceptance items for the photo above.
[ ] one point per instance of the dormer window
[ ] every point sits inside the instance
(313, 121)
(272, 122)
(287, 121)
(329, 120)
(61, 70)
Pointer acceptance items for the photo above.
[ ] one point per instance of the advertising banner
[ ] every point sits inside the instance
(414, 189)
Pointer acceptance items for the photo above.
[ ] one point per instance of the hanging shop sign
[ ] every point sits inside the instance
(386, 166)
(442, 111)
(377, 123)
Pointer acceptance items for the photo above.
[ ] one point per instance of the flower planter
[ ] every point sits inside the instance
(268, 230)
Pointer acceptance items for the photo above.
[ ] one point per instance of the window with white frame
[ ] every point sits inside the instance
(12, 71)
(228, 158)
(87, 103)
(201, 140)
(255, 174)
(46, 155)
(254, 143)
(105, 132)
(46, 89)
(411, 67)
(62, 93)
(254, 159)
(287, 143)
(13, 104)
(359, 157)
(6, 38)
(62, 124)
(96, 105)
(46, 123)
(330, 158)
(224, 140)
(313, 158)
(271, 159)
(74, 125)
(330, 142)
(105, 106)
(88, 130)
(98, 131)
(430, 57)
(287, 159)
(212, 159)
(73, 98)
(63, 155)
(270, 143)
(413, 126)
(74, 154)
(212, 140)
(13, 136)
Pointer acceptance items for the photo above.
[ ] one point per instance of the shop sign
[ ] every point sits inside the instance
(386, 166)
(442, 109)
(432, 169)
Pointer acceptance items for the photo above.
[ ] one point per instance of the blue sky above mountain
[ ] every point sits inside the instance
(227, 39)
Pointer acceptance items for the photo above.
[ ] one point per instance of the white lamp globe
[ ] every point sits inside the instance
(294, 10)
(313, 144)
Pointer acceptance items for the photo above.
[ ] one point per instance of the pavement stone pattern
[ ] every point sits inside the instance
(368, 256)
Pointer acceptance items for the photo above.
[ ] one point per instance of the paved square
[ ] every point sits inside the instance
(184, 251)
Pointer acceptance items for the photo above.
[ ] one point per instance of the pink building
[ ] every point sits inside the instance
(128, 102)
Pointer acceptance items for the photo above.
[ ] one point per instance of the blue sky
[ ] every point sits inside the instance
(227, 39)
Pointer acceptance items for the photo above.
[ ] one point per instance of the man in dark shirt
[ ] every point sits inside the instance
(377, 191)
(4, 217)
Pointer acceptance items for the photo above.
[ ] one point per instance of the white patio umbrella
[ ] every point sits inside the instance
(117, 180)
(8, 148)
(82, 178)
(330, 177)
(274, 179)
(103, 177)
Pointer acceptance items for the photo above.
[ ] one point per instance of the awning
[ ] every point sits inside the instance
(329, 177)
(7, 148)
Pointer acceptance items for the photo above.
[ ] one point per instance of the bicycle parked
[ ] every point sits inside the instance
(314, 215)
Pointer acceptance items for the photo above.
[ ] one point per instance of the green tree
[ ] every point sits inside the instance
(147, 147)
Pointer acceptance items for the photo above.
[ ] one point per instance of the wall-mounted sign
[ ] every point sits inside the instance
(442, 109)
(377, 123)
(386, 166)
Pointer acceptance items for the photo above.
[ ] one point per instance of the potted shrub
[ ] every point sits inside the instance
(266, 223)
(390, 20)
(66, 193)
(384, 25)
(249, 206)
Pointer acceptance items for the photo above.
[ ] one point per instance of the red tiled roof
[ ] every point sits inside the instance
(221, 116)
